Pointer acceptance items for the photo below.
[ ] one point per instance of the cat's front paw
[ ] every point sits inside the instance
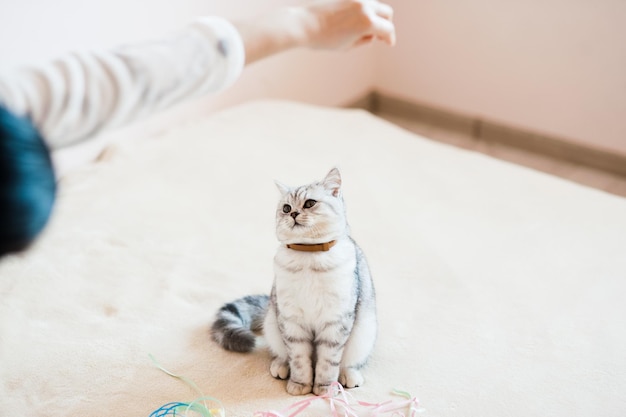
(279, 368)
(321, 389)
(350, 378)
(296, 388)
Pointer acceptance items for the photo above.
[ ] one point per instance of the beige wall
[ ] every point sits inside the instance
(32, 30)
(552, 66)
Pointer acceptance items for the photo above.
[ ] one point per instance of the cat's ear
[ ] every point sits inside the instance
(282, 187)
(332, 182)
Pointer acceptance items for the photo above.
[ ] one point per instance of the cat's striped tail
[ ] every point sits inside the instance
(236, 323)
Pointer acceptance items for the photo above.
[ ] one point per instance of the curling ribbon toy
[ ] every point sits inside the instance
(342, 404)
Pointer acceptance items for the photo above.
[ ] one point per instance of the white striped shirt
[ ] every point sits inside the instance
(76, 96)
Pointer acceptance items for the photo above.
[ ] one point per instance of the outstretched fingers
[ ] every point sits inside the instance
(382, 27)
(339, 24)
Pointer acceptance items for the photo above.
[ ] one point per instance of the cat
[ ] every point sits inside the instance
(320, 319)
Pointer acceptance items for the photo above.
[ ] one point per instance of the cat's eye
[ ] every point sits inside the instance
(309, 203)
(286, 208)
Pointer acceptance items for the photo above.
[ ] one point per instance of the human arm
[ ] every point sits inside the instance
(79, 95)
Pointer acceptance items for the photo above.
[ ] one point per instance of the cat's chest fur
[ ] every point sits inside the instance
(312, 288)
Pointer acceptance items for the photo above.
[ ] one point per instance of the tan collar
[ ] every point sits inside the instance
(315, 247)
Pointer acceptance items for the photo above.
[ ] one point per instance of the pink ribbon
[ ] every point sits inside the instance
(342, 402)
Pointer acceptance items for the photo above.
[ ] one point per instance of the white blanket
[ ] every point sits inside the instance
(500, 289)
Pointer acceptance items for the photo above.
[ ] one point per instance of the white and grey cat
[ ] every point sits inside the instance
(320, 319)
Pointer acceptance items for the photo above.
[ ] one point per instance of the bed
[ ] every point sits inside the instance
(501, 290)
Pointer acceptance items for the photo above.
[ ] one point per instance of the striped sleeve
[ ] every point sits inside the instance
(75, 97)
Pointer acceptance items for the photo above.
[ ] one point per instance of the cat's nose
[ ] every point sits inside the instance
(294, 214)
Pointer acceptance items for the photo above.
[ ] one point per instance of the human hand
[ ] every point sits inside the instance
(322, 24)
(342, 24)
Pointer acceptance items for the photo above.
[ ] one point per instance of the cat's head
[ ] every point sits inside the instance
(312, 213)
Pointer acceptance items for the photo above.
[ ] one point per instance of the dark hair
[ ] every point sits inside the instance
(27, 182)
